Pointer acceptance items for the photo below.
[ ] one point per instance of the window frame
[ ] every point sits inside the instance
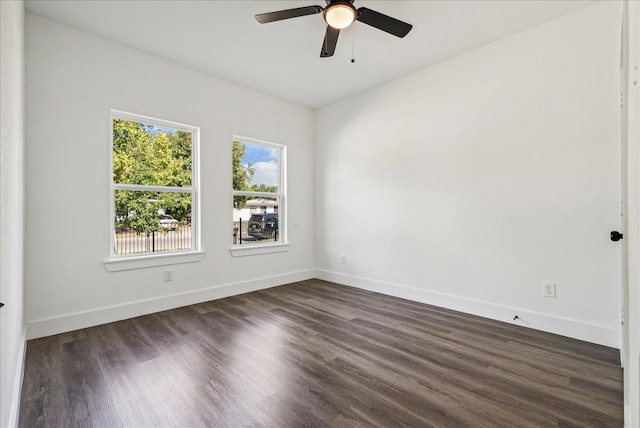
(132, 261)
(281, 196)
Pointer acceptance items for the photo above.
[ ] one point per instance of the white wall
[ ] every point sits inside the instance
(510, 155)
(12, 140)
(631, 136)
(74, 80)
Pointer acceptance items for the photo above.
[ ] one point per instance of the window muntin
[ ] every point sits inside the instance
(258, 189)
(154, 179)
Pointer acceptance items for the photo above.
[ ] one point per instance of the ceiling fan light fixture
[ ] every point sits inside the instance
(340, 15)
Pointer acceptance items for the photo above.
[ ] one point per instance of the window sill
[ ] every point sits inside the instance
(140, 262)
(251, 250)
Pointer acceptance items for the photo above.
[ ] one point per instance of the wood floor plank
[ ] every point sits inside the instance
(318, 354)
(44, 392)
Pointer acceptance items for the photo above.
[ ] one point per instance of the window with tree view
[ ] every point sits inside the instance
(258, 192)
(154, 186)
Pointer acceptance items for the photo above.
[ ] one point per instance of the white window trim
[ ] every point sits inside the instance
(283, 244)
(123, 262)
(252, 250)
(151, 260)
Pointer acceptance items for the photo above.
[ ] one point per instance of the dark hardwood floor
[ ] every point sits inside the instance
(315, 353)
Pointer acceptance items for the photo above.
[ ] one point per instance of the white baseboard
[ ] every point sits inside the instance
(78, 320)
(599, 334)
(17, 382)
(628, 421)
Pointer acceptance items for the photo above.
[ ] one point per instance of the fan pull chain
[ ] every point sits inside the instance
(353, 43)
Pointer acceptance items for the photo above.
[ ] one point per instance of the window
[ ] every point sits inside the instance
(154, 187)
(258, 193)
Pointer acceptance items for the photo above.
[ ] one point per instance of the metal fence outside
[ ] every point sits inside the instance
(130, 242)
(241, 235)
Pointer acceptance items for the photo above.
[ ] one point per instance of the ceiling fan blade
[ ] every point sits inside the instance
(383, 22)
(263, 18)
(330, 41)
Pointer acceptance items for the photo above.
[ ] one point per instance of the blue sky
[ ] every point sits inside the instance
(254, 154)
(265, 162)
(153, 130)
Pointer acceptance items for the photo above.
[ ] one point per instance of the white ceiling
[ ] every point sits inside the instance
(282, 58)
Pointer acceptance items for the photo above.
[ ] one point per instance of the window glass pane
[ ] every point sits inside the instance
(255, 168)
(256, 222)
(151, 155)
(151, 222)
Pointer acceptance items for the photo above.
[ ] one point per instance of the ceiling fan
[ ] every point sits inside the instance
(339, 14)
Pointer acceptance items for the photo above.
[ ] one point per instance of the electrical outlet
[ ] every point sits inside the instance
(168, 275)
(343, 259)
(549, 289)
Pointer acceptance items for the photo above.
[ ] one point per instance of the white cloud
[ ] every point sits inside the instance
(265, 173)
(272, 153)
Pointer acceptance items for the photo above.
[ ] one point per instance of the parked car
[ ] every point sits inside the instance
(167, 222)
(263, 226)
